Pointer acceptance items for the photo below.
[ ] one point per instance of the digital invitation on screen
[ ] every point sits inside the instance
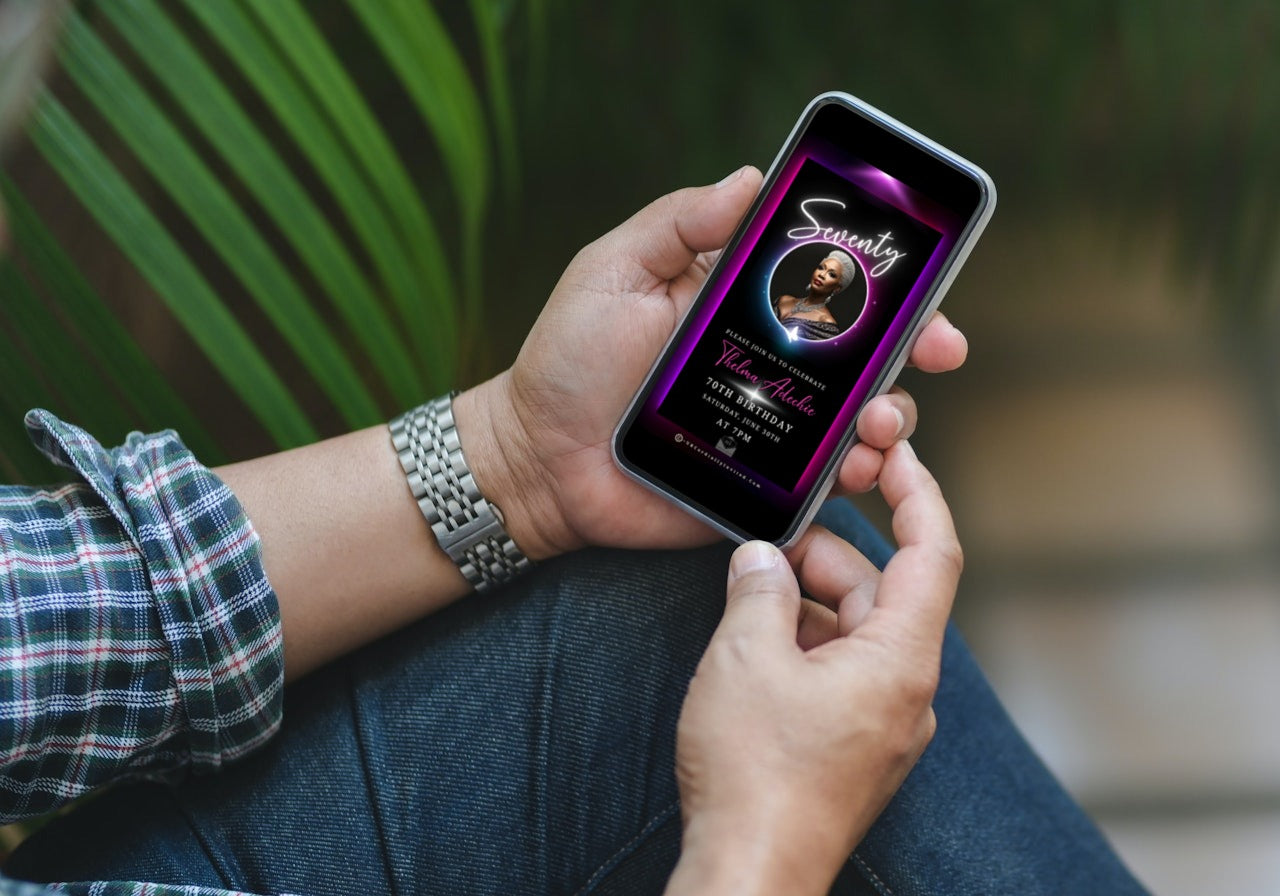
(807, 310)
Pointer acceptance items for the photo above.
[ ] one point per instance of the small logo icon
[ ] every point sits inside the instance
(727, 445)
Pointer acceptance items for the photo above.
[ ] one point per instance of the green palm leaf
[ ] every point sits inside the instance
(100, 337)
(211, 107)
(488, 22)
(78, 397)
(353, 157)
(190, 183)
(376, 282)
(21, 389)
(146, 242)
(418, 47)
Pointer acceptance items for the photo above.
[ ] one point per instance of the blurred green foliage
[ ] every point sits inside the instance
(226, 152)
(1139, 110)
(351, 206)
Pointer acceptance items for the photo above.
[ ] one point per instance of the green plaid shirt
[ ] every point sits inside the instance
(138, 631)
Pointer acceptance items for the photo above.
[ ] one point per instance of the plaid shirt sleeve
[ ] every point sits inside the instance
(139, 633)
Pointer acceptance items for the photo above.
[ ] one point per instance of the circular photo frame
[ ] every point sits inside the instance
(812, 293)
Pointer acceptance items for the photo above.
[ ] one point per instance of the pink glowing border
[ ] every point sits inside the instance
(884, 187)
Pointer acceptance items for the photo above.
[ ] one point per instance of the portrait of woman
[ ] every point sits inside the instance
(810, 317)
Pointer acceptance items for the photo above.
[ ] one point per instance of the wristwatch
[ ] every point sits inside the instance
(469, 528)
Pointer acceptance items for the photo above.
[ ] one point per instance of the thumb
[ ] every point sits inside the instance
(665, 236)
(762, 600)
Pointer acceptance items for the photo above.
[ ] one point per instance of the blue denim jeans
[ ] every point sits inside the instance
(523, 744)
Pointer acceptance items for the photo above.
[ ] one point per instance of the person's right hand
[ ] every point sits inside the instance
(805, 716)
(537, 436)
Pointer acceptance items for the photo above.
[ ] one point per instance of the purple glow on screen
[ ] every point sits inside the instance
(874, 182)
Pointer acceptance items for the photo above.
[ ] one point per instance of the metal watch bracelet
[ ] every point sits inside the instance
(469, 528)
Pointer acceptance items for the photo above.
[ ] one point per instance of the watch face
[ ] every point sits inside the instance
(802, 321)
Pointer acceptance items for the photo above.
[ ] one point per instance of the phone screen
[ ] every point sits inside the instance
(800, 322)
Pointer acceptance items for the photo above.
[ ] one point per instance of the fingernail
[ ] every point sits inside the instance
(753, 556)
(906, 446)
(731, 178)
(902, 421)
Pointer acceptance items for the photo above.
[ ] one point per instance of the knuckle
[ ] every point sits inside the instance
(918, 687)
(584, 255)
(952, 554)
(928, 727)
(728, 653)
(907, 740)
(903, 742)
(733, 651)
(672, 204)
(762, 585)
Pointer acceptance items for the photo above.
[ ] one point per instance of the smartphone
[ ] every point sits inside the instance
(810, 311)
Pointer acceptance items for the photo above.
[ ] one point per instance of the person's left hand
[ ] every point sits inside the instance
(805, 715)
(544, 426)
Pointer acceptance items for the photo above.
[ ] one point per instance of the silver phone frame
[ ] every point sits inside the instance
(964, 245)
